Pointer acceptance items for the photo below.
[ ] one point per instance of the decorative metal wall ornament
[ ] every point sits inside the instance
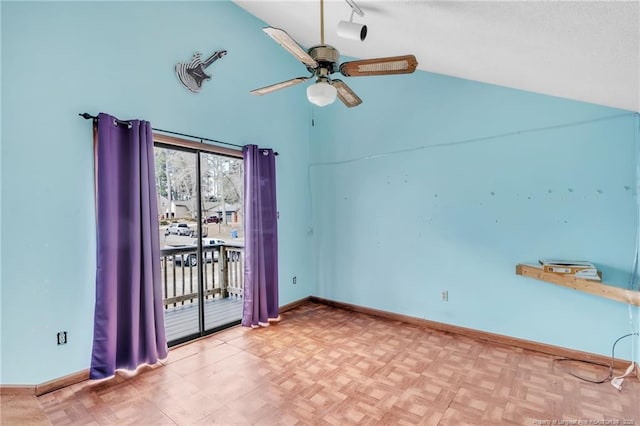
(191, 74)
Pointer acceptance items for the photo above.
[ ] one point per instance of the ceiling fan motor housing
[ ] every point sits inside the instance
(327, 58)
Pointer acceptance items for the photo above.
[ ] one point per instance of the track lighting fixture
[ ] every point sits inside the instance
(352, 30)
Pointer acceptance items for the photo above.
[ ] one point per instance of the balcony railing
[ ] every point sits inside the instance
(222, 273)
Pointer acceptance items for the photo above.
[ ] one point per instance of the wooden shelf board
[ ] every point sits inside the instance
(592, 287)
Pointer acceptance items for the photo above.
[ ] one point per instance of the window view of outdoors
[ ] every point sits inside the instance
(220, 264)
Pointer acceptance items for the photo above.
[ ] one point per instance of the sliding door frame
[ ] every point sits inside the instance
(166, 141)
(197, 148)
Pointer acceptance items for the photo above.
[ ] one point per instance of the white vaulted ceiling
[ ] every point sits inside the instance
(587, 51)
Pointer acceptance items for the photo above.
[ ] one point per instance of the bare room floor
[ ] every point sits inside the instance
(324, 365)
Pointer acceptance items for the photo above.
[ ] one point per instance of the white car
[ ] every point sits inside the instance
(213, 242)
(192, 259)
(178, 229)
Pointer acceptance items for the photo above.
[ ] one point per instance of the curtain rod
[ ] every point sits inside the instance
(88, 116)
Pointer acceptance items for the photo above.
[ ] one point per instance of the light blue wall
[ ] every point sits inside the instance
(64, 58)
(0, 200)
(436, 183)
(389, 232)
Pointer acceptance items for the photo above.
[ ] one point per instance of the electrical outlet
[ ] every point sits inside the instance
(295, 279)
(62, 338)
(445, 296)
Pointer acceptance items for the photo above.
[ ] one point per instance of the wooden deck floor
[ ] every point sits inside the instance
(182, 321)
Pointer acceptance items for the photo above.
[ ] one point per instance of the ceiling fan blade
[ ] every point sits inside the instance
(285, 40)
(381, 66)
(284, 84)
(345, 94)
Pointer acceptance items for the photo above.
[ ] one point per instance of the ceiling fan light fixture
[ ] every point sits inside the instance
(321, 93)
(322, 61)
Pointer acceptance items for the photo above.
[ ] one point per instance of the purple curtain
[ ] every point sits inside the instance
(129, 323)
(261, 238)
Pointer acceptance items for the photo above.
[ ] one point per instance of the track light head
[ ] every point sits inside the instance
(352, 30)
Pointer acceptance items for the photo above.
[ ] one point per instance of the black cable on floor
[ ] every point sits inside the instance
(609, 376)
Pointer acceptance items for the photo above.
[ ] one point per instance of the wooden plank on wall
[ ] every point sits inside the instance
(592, 287)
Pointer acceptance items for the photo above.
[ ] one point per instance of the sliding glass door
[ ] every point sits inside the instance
(200, 210)
(223, 246)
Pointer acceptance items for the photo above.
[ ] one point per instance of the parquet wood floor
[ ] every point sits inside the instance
(326, 366)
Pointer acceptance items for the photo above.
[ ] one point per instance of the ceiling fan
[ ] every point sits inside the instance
(322, 61)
